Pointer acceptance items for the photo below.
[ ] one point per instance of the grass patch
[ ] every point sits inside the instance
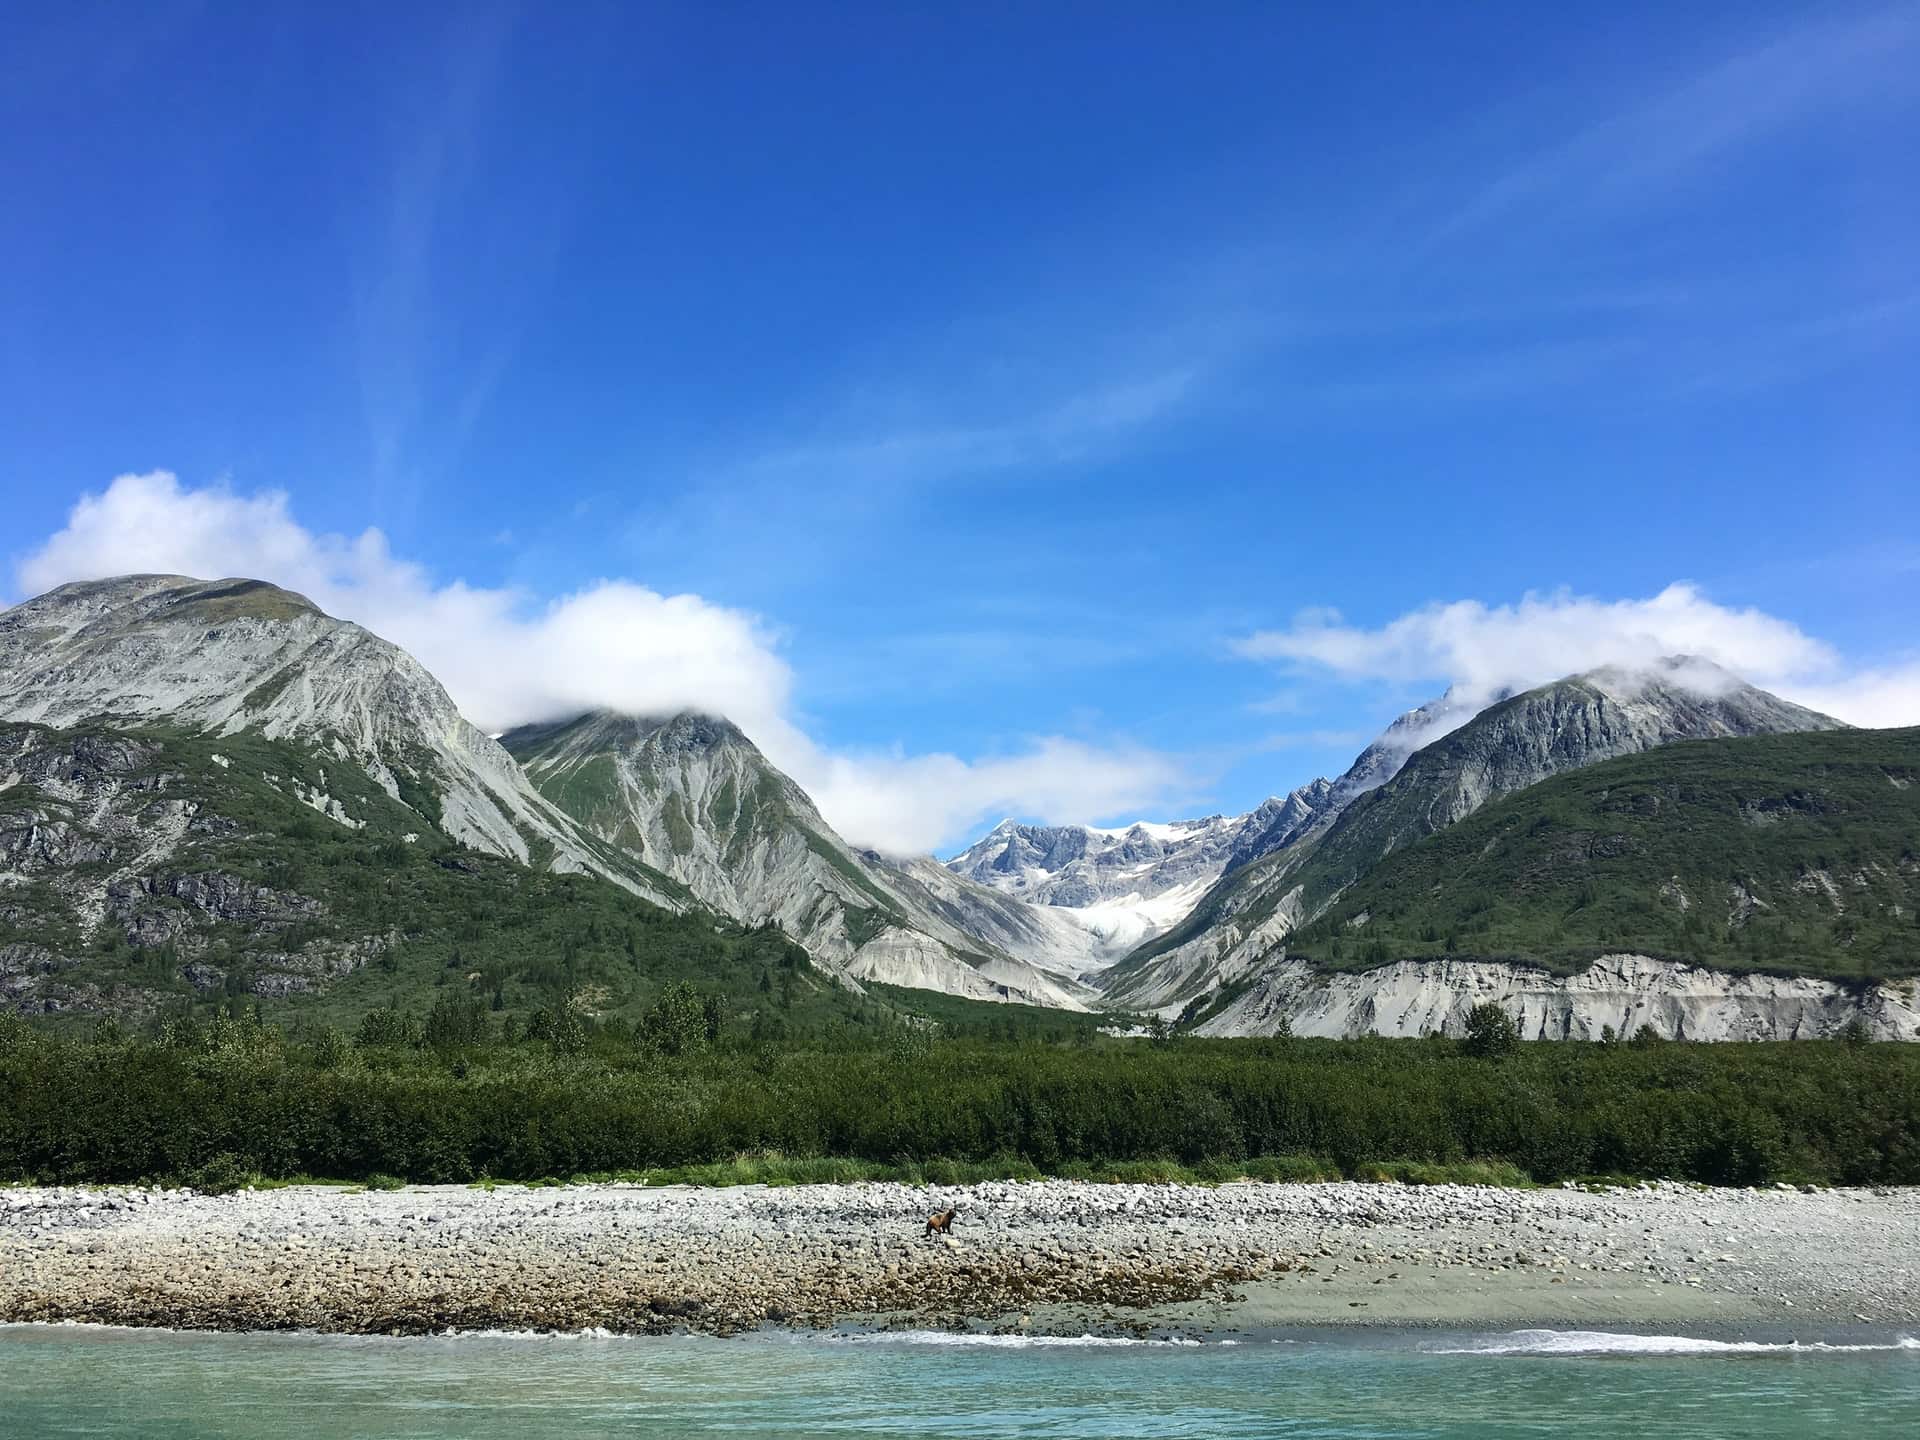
(785, 1170)
(1457, 1172)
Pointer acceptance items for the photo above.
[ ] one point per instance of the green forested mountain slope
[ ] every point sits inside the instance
(151, 868)
(1510, 746)
(1794, 853)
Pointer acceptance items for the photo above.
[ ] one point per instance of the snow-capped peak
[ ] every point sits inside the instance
(1130, 880)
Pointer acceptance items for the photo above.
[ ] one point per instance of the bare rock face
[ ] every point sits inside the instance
(228, 898)
(1621, 993)
(694, 798)
(233, 655)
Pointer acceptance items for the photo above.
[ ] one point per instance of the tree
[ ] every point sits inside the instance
(457, 1020)
(387, 1027)
(681, 1020)
(330, 1049)
(1491, 1032)
(560, 1026)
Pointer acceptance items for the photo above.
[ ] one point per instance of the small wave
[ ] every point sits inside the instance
(1604, 1342)
(1011, 1342)
(590, 1332)
(100, 1326)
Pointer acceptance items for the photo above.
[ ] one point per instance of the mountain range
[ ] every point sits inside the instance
(162, 738)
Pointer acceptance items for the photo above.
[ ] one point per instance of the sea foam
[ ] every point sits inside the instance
(1011, 1342)
(1604, 1342)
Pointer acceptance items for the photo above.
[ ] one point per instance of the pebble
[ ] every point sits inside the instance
(633, 1258)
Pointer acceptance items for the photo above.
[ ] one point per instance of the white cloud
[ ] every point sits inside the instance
(945, 798)
(508, 657)
(1885, 696)
(1481, 649)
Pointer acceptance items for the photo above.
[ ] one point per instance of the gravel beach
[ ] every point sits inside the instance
(1051, 1256)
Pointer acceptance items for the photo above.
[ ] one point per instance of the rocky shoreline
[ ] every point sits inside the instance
(1050, 1257)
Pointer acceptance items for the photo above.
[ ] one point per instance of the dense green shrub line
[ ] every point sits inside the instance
(121, 1109)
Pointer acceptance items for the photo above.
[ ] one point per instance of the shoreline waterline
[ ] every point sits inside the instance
(1728, 1338)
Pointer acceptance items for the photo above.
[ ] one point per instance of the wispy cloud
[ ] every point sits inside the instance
(1067, 429)
(1474, 376)
(433, 352)
(1556, 250)
(1657, 143)
(394, 295)
(853, 478)
(1773, 354)
(1300, 322)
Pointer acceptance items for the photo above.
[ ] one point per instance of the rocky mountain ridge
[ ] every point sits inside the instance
(1506, 747)
(232, 655)
(692, 796)
(1122, 885)
(161, 736)
(146, 869)
(1129, 884)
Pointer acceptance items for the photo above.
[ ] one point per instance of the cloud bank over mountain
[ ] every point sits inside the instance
(1481, 650)
(509, 657)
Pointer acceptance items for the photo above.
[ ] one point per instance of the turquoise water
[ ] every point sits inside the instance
(64, 1381)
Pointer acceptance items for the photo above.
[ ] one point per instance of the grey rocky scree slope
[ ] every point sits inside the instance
(1239, 928)
(228, 656)
(692, 796)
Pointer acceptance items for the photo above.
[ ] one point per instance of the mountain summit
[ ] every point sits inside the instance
(224, 656)
(1124, 885)
(1506, 747)
(692, 796)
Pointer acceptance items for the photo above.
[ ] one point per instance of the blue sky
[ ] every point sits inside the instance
(1017, 389)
